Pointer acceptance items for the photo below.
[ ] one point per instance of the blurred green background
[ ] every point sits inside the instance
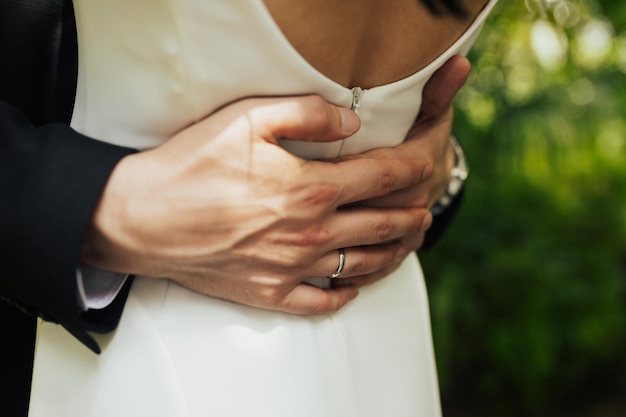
(528, 287)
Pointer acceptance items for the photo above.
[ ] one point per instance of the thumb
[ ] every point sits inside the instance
(443, 86)
(307, 118)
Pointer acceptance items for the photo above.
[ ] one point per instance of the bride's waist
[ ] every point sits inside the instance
(163, 298)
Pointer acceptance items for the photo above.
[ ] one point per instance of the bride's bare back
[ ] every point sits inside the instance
(369, 42)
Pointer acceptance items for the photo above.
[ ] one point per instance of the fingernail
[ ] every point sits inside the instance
(428, 172)
(350, 122)
(427, 222)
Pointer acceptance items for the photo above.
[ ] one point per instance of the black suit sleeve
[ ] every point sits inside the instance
(50, 176)
(51, 179)
(442, 221)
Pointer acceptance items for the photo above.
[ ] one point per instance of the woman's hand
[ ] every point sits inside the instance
(428, 139)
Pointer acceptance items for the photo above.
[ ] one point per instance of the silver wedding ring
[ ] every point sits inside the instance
(342, 263)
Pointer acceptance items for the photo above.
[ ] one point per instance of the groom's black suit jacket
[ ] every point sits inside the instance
(50, 181)
(51, 178)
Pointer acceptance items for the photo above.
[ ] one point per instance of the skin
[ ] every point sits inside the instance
(223, 210)
(367, 43)
(197, 210)
(428, 138)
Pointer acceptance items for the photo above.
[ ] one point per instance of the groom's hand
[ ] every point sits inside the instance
(223, 210)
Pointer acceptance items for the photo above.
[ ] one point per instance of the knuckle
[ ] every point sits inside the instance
(322, 305)
(383, 230)
(296, 257)
(301, 249)
(298, 249)
(388, 179)
(290, 262)
(318, 195)
(271, 296)
(313, 237)
(358, 264)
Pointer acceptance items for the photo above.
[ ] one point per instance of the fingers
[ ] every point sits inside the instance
(417, 197)
(443, 86)
(364, 178)
(368, 279)
(361, 260)
(364, 265)
(307, 299)
(307, 118)
(361, 226)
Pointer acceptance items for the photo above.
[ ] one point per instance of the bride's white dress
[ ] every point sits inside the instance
(149, 68)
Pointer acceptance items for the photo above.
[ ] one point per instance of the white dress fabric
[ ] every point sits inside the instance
(147, 69)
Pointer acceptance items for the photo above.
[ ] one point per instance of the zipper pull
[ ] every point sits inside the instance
(356, 103)
(356, 99)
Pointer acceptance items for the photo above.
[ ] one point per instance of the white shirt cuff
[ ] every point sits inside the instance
(98, 288)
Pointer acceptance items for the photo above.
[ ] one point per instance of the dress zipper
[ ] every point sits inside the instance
(356, 99)
(356, 103)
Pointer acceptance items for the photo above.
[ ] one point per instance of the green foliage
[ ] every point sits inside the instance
(528, 287)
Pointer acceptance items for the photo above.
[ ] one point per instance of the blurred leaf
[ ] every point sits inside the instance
(528, 288)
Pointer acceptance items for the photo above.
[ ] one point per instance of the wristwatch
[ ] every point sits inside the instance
(457, 180)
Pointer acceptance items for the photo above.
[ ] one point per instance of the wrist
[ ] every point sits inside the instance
(99, 248)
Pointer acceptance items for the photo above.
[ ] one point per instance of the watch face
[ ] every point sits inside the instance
(455, 186)
(458, 176)
(459, 172)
